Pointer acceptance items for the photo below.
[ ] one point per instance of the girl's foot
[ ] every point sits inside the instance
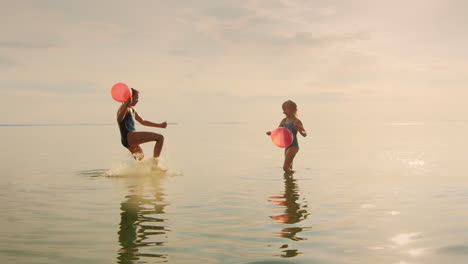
(155, 166)
(158, 169)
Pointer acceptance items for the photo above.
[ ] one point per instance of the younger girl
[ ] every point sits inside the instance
(130, 138)
(294, 125)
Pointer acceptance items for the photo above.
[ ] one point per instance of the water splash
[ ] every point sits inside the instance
(142, 167)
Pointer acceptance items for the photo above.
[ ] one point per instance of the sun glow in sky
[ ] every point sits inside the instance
(233, 60)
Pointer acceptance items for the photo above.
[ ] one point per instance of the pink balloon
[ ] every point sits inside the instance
(282, 137)
(121, 92)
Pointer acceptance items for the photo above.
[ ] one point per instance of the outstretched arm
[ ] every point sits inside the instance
(148, 123)
(300, 128)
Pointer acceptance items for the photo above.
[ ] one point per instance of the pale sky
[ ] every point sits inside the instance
(236, 60)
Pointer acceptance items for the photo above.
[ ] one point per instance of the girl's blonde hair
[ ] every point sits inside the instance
(291, 105)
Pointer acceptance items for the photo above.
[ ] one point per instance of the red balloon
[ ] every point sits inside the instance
(121, 92)
(282, 137)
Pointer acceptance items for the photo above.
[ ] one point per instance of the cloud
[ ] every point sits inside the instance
(258, 29)
(454, 250)
(179, 53)
(93, 32)
(5, 62)
(26, 45)
(227, 12)
(23, 87)
(308, 38)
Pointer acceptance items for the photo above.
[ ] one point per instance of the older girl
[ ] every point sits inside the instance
(130, 138)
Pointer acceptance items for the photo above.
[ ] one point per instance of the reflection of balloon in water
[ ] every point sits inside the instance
(282, 218)
(282, 137)
(121, 92)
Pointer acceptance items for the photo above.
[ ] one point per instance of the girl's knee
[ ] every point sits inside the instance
(158, 137)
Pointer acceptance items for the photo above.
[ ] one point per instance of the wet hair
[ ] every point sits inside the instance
(291, 105)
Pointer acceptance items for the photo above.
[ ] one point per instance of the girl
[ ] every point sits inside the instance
(292, 123)
(132, 139)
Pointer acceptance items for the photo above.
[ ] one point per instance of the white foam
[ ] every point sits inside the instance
(133, 167)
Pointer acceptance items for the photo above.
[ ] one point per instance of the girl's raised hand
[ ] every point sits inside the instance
(163, 124)
(268, 133)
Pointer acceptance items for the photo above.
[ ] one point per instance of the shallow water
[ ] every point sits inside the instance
(362, 193)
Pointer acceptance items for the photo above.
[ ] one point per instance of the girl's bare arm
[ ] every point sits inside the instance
(122, 112)
(300, 128)
(148, 123)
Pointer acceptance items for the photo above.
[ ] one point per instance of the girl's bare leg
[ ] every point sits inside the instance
(136, 138)
(137, 152)
(289, 155)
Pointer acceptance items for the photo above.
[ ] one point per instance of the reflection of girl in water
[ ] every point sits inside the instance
(294, 213)
(138, 223)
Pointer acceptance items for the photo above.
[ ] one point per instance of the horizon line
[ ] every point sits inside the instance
(60, 124)
(53, 124)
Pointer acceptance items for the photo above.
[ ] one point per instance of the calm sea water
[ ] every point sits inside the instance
(377, 192)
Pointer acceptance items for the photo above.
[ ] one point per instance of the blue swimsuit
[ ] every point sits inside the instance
(292, 128)
(126, 125)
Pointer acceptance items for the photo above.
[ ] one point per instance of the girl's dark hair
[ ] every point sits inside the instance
(135, 91)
